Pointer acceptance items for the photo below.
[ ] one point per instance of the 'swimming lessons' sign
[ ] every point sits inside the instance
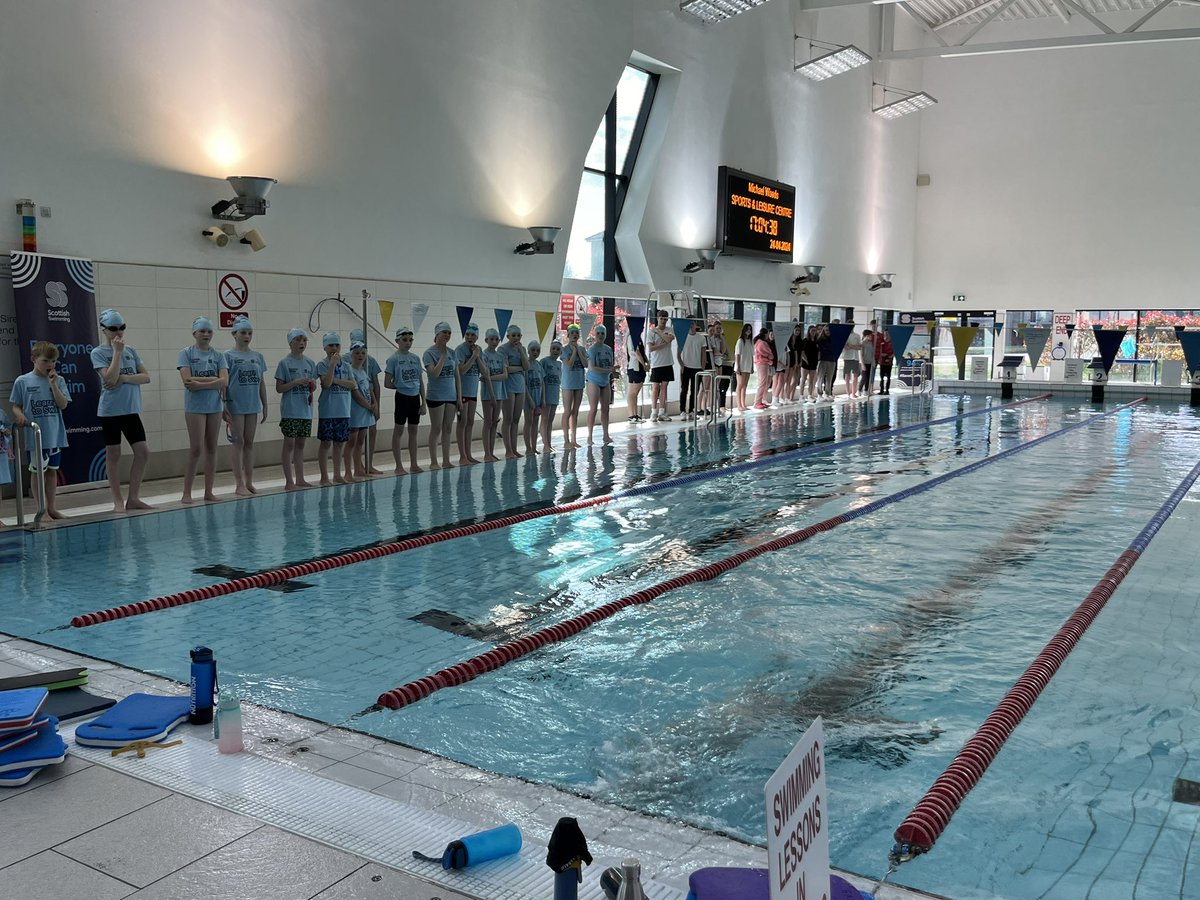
(56, 301)
(798, 821)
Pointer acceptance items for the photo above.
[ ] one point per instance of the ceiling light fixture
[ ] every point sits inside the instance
(839, 59)
(710, 12)
(879, 282)
(542, 243)
(707, 260)
(251, 199)
(909, 102)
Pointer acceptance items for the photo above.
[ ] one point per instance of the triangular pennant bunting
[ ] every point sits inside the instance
(637, 327)
(1108, 343)
(683, 327)
(586, 322)
(385, 312)
(419, 312)
(838, 335)
(997, 327)
(1070, 329)
(1035, 342)
(733, 331)
(542, 321)
(1190, 341)
(464, 317)
(963, 337)
(900, 335)
(503, 317)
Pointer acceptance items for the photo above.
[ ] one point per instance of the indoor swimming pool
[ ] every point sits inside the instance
(901, 629)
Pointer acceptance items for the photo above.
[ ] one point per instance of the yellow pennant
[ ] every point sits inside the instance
(733, 331)
(964, 336)
(543, 321)
(385, 311)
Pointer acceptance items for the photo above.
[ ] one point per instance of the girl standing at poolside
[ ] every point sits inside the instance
(574, 369)
(362, 407)
(469, 358)
(599, 383)
(296, 381)
(245, 399)
(333, 411)
(442, 394)
(495, 392)
(122, 375)
(514, 403)
(743, 363)
(534, 397)
(551, 379)
(205, 375)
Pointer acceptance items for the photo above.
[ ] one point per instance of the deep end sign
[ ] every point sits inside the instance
(798, 822)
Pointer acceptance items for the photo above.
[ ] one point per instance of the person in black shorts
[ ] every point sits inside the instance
(122, 375)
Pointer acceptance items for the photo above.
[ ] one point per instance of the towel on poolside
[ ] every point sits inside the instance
(46, 749)
(139, 717)
(19, 708)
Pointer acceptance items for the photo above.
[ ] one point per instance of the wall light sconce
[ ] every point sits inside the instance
(879, 282)
(838, 59)
(251, 199)
(707, 260)
(543, 241)
(218, 234)
(909, 102)
(812, 275)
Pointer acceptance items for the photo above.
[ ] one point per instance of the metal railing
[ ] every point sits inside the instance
(40, 462)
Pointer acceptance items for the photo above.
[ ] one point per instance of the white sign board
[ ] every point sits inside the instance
(1171, 372)
(1073, 370)
(979, 368)
(798, 822)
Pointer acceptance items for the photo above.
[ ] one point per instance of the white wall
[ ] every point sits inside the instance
(1062, 179)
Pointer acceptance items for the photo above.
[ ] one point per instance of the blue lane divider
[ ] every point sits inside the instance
(811, 451)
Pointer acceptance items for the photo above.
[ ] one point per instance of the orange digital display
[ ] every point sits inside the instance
(755, 216)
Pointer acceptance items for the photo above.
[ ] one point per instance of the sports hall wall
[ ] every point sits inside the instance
(1062, 180)
(414, 142)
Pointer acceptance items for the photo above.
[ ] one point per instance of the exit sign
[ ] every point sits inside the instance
(960, 298)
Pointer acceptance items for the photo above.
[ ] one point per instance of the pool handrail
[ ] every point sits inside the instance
(19, 439)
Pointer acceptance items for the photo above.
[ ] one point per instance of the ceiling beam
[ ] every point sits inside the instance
(925, 26)
(1087, 15)
(954, 20)
(1056, 43)
(1063, 12)
(995, 12)
(1148, 16)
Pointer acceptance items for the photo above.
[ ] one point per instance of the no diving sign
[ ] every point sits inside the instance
(233, 298)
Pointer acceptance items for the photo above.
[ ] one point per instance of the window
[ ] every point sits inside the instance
(592, 251)
(1015, 323)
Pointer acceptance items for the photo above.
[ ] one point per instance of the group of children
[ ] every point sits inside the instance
(518, 390)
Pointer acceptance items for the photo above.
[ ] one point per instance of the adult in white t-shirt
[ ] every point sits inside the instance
(662, 372)
(851, 366)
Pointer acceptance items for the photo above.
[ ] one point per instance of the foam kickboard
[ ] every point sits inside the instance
(139, 717)
(51, 681)
(46, 749)
(17, 738)
(18, 777)
(19, 708)
(75, 703)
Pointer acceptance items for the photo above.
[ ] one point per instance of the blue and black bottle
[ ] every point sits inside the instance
(204, 686)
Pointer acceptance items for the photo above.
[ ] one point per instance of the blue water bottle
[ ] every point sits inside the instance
(482, 846)
(204, 686)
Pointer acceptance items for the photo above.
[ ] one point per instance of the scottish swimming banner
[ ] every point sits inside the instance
(56, 301)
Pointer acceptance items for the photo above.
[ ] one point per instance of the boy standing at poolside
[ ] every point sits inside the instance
(296, 380)
(333, 411)
(39, 396)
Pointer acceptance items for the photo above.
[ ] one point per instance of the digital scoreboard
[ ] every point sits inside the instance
(755, 216)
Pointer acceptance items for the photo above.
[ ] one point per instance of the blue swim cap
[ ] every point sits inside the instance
(535, 345)
(296, 333)
(442, 326)
(358, 345)
(241, 323)
(110, 318)
(492, 333)
(201, 323)
(471, 329)
(331, 337)
(600, 329)
(357, 334)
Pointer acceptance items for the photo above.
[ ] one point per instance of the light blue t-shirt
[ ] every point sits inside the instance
(552, 378)
(469, 378)
(360, 416)
(124, 399)
(572, 374)
(33, 394)
(533, 384)
(5, 446)
(335, 399)
(497, 364)
(516, 380)
(600, 355)
(443, 386)
(246, 371)
(297, 402)
(405, 369)
(203, 364)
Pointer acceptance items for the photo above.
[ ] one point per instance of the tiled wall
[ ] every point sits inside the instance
(159, 304)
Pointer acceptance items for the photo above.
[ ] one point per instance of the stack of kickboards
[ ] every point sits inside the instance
(29, 739)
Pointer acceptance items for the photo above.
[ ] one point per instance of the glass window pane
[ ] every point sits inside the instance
(585, 253)
(630, 93)
(595, 154)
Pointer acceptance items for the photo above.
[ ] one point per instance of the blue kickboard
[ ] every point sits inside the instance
(19, 708)
(18, 777)
(139, 717)
(17, 738)
(46, 749)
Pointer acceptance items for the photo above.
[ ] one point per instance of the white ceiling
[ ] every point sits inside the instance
(941, 13)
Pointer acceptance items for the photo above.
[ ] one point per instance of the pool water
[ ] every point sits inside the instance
(901, 629)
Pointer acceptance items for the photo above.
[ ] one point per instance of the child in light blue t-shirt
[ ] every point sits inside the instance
(205, 375)
(245, 400)
(333, 411)
(469, 356)
(535, 393)
(374, 370)
(296, 382)
(402, 373)
(122, 374)
(40, 397)
(362, 408)
(7, 455)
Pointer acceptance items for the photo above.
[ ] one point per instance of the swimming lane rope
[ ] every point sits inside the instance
(929, 818)
(460, 673)
(311, 567)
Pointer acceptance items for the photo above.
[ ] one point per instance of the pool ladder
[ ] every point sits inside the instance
(19, 439)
